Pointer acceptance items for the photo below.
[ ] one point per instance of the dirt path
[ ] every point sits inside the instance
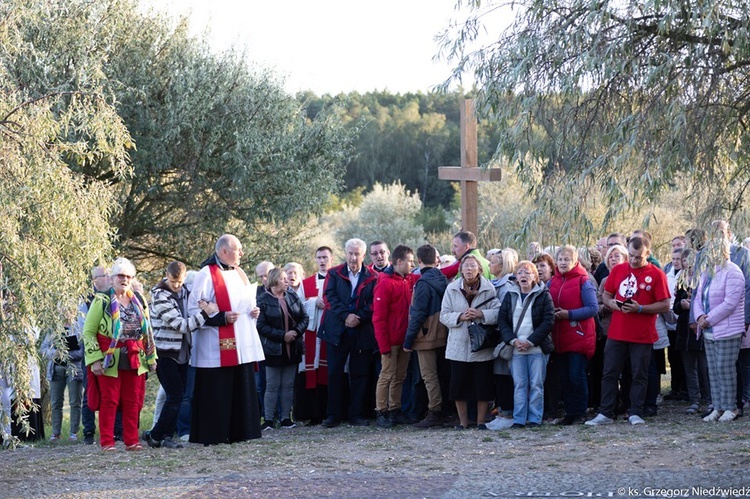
(672, 450)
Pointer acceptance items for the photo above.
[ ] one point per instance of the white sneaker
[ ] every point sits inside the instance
(728, 416)
(54, 438)
(185, 438)
(636, 419)
(693, 409)
(714, 416)
(600, 419)
(73, 437)
(499, 424)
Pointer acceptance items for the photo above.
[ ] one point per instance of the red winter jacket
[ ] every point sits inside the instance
(390, 308)
(573, 291)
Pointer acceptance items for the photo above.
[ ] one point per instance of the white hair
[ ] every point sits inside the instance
(356, 242)
(123, 265)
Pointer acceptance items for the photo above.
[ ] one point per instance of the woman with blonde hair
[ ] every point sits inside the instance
(719, 312)
(525, 321)
(574, 295)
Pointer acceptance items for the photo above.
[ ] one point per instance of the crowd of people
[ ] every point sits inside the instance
(485, 340)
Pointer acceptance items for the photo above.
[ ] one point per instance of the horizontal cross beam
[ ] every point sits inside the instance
(456, 173)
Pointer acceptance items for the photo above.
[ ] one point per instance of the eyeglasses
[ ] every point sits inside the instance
(125, 277)
(381, 252)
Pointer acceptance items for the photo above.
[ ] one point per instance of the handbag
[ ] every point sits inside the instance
(506, 352)
(483, 336)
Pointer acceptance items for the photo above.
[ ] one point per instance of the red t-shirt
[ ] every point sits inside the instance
(645, 285)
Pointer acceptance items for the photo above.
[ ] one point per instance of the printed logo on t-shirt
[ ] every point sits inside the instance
(628, 287)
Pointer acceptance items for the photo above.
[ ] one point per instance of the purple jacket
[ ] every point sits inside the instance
(726, 297)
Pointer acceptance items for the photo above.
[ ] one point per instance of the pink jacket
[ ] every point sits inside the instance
(726, 297)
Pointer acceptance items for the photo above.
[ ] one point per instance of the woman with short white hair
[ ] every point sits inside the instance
(119, 349)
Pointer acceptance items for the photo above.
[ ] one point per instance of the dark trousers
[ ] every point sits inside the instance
(615, 355)
(676, 367)
(414, 394)
(173, 378)
(88, 418)
(574, 384)
(361, 365)
(654, 378)
(183, 419)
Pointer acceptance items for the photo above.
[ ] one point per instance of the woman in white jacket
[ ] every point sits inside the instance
(470, 298)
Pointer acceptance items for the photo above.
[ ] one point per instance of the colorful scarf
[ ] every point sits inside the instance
(148, 334)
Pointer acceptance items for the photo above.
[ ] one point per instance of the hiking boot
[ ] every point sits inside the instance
(383, 420)
(398, 417)
(431, 420)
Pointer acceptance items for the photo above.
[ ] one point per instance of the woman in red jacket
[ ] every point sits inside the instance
(574, 334)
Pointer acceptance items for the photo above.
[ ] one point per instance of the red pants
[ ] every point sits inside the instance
(127, 391)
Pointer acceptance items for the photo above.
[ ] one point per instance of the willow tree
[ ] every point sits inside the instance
(54, 223)
(615, 101)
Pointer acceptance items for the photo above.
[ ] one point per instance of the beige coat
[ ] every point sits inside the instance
(454, 304)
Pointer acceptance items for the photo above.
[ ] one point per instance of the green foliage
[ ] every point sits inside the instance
(54, 223)
(387, 213)
(616, 102)
(404, 138)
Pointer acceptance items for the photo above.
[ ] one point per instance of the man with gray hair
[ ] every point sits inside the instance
(347, 329)
(225, 403)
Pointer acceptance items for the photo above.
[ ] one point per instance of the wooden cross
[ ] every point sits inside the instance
(469, 172)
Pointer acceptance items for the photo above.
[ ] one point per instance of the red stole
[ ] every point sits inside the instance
(314, 377)
(227, 340)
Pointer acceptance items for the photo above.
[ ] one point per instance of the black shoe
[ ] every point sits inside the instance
(518, 425)
(533, 425)
(572, 420)
(398, 417)
(145, 435)
(383, 420)
(118, 438)
(288, 423)
(154, 444)
(359, 421)
(267, 425)
(168, 443)
(481, 426)
(649, 412)
(88, 438)
(330, 422)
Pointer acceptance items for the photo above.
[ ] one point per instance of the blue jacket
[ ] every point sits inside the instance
(340, 301)
(426, 302)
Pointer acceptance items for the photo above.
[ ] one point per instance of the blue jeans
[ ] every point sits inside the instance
(574, 383)
(528, 371)
(183, 419)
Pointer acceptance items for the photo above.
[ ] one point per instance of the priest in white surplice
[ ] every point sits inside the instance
(225, 401)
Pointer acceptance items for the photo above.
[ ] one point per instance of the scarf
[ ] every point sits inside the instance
(133, 353)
